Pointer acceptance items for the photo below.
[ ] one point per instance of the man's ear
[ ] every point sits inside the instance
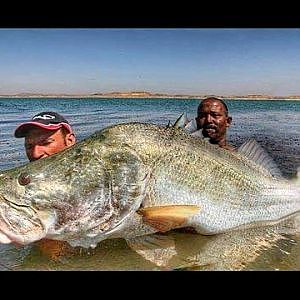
(229, 120)
(70, 139)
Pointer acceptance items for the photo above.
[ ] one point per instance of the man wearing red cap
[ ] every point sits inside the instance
(45, 134)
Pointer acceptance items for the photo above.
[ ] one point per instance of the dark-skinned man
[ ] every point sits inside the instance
(213, 119)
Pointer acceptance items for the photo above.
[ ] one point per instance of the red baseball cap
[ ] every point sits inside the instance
(48, 120)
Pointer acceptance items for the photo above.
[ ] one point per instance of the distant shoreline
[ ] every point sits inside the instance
(145, 95)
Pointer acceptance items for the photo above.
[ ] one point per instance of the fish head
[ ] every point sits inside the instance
(23, 219)
(88, 190)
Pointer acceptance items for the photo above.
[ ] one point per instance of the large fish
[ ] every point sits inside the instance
(132, 180)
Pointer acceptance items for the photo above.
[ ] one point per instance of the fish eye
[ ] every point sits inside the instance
(24, 179)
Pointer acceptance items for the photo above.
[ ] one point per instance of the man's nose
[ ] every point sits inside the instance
(37, 152)
(208, 118)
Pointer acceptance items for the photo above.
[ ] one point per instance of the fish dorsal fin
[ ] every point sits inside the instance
(181, 121)
(165, 218)
(191, 126)
(169, 124)
(253, 151)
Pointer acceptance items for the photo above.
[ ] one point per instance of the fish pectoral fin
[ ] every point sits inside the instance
(165, 218)
(156, 248)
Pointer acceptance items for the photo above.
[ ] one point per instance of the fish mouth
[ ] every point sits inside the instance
(4, 239)
(19, 224)
(7, 236)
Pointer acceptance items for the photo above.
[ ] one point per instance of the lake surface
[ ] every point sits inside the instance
(275, 124)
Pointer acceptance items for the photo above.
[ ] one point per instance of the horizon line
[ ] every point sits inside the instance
(144, 94)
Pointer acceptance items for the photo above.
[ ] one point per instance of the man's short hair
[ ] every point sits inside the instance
(215, 99)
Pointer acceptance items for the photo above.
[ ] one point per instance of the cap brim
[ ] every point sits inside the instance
(24, 127)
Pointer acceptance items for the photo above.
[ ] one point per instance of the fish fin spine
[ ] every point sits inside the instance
(181, 121)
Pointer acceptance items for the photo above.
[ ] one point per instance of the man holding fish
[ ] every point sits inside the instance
(45, 134)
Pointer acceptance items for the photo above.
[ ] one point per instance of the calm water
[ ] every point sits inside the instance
(274, 124)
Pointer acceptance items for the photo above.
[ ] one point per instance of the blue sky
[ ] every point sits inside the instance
(178, 61)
